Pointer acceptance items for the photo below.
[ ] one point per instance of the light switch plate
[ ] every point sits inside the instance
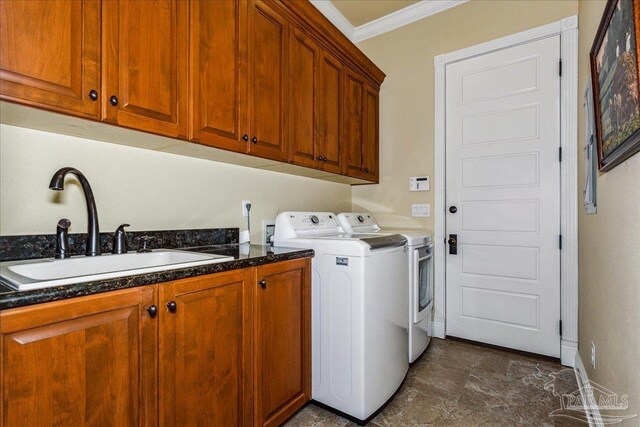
(421, 210)
(419, 183)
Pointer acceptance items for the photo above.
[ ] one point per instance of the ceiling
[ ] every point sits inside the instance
(360, 12)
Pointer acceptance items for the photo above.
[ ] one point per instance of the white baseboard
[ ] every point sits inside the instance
(438, 329)
(593, 413)
(568, 352)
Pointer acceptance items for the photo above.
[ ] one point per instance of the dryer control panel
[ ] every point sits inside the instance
(358, 222)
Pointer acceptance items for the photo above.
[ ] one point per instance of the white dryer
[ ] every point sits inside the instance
(420, 277)
(359, 350)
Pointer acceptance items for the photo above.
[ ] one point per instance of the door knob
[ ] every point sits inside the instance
(172, 306)
(453, 244)
(453, 209)
(153, 311)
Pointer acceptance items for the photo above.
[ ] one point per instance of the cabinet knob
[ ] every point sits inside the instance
(93, 95)
(172, 306)
(263, 284)
(153, 311)
(254, 140)
(245, 137)
(113, 100)
(366, 170)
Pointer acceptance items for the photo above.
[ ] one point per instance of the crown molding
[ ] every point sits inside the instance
(333, 14)
(387, 23)
(403, 17)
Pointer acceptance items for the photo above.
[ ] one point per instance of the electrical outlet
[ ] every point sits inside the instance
(421, 210)
(593, 355)
(245, 212)
(268, 229)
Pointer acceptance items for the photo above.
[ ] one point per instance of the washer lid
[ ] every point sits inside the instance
(382, 242)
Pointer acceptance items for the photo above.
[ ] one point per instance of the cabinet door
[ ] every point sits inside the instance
(282, 340)
(50, 55)
(353, 123)
(330, 112)
(268, 34)
(205, 350)
(82, 361)
(218, 93)
(370, 134)
(304, 57)
(145, 65)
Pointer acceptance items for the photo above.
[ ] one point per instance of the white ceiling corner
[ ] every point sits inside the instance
(386, 23)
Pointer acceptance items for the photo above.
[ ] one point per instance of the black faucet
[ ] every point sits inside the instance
(93, 232)
(62, 239)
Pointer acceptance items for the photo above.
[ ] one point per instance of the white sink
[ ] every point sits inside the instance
(44, 273)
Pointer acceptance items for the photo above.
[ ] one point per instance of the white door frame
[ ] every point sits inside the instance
(567, 28)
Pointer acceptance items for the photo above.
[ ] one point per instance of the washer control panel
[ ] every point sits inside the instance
(358, 222)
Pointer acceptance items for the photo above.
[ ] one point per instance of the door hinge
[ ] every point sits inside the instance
(560, 241)
(560, 326)
(560, 67)
(559, 154)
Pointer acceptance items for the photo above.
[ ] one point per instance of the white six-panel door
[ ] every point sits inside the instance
(503, 176)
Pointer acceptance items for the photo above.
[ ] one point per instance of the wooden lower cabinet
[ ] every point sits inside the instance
(205, 350)
(225, 349)
(87, 361)
(282, 340)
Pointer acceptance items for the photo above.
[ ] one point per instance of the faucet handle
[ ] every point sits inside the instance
(62, 239)
(145, 240)
(120, 240)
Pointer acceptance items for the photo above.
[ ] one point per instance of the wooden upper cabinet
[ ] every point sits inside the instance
(206, 350)
(354, 89)
(330, 98)
(82, 361)
(282, 347)
(268, 36)
(218, 70)
(371, 133)
(50, 55)
(145, 65)
(304, 63)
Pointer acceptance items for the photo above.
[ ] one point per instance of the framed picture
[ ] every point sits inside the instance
(615, 79)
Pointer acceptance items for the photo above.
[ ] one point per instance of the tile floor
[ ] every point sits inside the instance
(461, 384)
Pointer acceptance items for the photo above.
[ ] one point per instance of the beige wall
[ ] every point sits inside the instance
(609, 250)
(407, 95)
(147, 189)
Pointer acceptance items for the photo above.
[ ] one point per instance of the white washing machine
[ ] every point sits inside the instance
(359, 350)
(420, 277)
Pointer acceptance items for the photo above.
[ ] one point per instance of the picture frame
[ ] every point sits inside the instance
(615, 78)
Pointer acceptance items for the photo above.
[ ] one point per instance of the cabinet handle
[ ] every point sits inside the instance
(153, 311)
(93, 95)
(319, 158)
(172, 306)
(254, 140)
(324, 158)
(263, 284)
(113, 100)
(245, 137)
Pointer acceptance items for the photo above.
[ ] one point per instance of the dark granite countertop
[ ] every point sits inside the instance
(244, 256)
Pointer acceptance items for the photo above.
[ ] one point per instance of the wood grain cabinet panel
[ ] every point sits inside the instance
(205, 350)
(330, 97)
(218, 84)
(371, 134)
(303, 106)
(50, 55)
(145, 65)
(282, 340)
(268, 40)
(85, 361)
(353, 123)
